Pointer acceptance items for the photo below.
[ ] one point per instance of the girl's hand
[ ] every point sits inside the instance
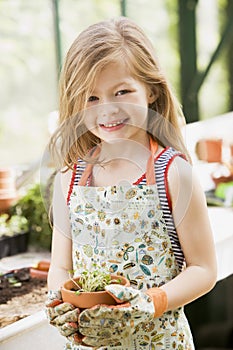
(104, 324)
(63, 316)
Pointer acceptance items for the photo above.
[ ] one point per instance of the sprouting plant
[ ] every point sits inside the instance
(93, 281)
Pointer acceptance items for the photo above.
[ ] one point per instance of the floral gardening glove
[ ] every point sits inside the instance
(63, 316)
(103, 324)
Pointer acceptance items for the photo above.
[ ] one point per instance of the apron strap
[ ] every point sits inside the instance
(150, 171)
(88, 170)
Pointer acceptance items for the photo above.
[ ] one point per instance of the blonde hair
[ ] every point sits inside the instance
(93, 49)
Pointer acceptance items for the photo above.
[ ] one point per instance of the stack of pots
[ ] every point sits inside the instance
(7, 189)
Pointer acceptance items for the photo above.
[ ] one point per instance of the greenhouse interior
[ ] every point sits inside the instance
(193, 42)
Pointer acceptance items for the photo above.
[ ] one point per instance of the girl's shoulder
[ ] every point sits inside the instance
(62, 181)
(182, 179)
(179, 170)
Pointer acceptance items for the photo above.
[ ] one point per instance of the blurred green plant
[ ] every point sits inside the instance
(12, 225)
(31, 206)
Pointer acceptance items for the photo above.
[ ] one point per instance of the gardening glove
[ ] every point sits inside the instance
(103, 324)
(63, 316)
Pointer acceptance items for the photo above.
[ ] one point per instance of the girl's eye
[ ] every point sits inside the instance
(122, 92)
(92, 98)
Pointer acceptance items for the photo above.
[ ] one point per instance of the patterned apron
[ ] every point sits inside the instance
(122, 229)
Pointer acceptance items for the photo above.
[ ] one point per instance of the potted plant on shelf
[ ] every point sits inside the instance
(31, 206)
(14, 235)
(88, 289)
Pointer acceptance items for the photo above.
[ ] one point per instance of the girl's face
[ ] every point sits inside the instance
(118, 106)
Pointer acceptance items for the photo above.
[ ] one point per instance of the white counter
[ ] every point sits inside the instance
(221, 220)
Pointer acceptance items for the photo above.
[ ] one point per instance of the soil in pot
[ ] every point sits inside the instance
(85, 300)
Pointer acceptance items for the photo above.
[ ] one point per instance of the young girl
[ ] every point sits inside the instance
(127, 198)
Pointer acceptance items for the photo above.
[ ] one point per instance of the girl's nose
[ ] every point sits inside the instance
(108, 109)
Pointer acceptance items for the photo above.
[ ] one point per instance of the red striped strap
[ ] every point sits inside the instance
(71, 184)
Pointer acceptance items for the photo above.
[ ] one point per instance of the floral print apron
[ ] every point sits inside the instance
(122, 229)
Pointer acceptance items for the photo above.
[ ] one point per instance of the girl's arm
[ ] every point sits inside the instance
(61, 252)
(194, 231)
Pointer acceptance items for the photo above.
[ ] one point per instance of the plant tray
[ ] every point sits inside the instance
(13, 245)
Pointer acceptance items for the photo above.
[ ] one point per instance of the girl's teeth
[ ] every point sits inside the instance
(113, 124)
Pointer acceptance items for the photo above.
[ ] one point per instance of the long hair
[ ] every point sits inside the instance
(98, 45)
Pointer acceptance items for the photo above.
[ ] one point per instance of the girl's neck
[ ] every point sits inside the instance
(125, 149)
(122, 160)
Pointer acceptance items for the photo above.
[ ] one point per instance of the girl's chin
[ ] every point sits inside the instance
(119, 133)
(114, 133)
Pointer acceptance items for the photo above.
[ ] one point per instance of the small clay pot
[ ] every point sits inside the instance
(231, 157)
(86, 300)
(6, 203)
(36, 273)
(41, 270)
(8, 194)
(209, 150)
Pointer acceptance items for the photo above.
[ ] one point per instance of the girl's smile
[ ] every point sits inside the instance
(114, 125)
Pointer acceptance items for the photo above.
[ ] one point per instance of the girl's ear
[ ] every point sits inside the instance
(153, 94)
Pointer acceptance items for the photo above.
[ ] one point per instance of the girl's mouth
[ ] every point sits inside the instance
(113, 126)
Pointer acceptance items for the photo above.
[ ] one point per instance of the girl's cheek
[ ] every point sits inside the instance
(89, 118)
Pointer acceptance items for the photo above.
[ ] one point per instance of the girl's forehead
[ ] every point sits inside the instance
(117, 65)
(114, 73)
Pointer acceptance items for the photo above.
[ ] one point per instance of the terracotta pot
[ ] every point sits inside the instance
(6, 173)
(209, 150)
(6, 203)
(85, 300)
(43, 265)
(7, 189)
(36, 273)
(41, 270)
(231, 150)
